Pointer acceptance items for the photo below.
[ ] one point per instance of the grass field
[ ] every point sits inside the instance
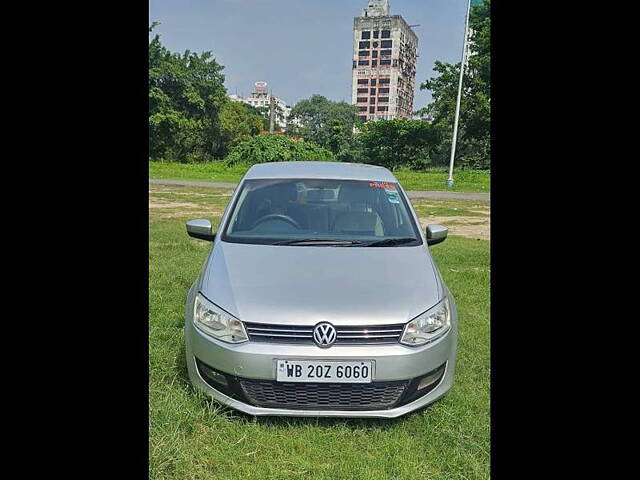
(191, 437)
(432, 180)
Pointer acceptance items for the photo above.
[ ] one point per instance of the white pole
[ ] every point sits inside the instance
(455, 123)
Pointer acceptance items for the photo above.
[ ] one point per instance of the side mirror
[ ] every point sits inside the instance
(436, 234)
(201, 228)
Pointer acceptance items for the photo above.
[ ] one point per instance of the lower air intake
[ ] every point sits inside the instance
(328, 396)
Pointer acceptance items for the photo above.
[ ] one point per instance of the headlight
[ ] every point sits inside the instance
(216, 322)
(432, 324)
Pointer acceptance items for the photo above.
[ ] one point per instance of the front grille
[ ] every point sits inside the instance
(323, 396)
(348, 335)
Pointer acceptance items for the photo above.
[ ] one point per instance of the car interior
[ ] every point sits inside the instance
(321, 207)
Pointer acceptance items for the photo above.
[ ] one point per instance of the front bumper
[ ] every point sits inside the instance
(257, 361)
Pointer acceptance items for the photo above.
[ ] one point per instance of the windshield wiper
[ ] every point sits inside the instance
(318, 241)
(388, 242)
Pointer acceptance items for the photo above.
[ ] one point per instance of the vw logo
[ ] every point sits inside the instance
(324, 334)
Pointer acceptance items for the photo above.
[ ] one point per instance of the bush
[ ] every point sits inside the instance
(475, 155)
(276, 148)
(397, 143)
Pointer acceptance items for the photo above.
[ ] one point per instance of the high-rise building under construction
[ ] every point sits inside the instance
(385, 49)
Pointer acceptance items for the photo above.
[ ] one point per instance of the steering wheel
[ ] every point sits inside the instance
(276, 216)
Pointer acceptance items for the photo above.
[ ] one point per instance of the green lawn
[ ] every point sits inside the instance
(432, 180)
(191, 437)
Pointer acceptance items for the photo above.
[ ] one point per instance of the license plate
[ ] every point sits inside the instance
(314, 371)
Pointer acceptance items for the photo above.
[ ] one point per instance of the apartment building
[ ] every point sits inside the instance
(260, 98)
(385, 50)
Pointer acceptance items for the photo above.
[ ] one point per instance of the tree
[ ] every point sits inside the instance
(186, 93)
(327, 123)
(397, 143)
(238, 122)
(276, 148)
(473, 145)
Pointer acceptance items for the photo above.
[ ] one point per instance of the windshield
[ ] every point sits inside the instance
(321, 212)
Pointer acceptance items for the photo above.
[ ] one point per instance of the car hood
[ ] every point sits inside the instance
(304, 285)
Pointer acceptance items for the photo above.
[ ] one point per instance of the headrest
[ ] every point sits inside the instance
(356, 193)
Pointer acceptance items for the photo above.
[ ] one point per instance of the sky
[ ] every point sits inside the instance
(300, 47)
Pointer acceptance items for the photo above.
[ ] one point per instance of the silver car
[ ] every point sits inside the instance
(320, 297)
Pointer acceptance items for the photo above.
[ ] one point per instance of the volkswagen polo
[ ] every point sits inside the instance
(320, 297)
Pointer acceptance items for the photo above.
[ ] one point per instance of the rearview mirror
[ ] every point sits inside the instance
(201, 228)
(436, 234)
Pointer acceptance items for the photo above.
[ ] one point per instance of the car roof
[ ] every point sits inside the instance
(333, 170)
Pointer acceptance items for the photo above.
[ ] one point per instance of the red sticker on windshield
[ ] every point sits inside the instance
(386, 186)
